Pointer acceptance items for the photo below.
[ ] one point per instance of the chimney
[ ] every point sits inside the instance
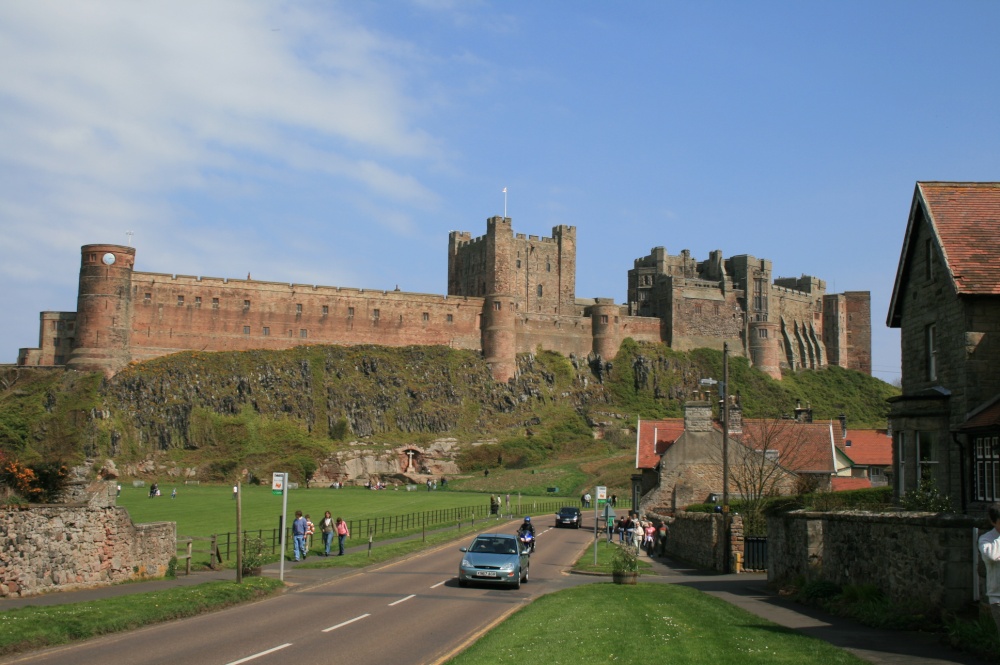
(698, 416)
(735, 417)
(843, 425)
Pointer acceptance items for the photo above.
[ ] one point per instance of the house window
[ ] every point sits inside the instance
(246, 330)
(215, 303)
(426, 317)
(326, 310)
(298, 308)
(246, 305)
(267, 331)
(987, 452)
(197, 301)
(180, 301)
(303, 333)
(931, 338)
(925, 456)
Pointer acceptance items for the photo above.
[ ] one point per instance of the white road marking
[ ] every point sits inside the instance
(412, 595)
(341, 625)
(439, 584)
(258, 655)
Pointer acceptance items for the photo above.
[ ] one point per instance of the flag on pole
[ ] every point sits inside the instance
(504, 190)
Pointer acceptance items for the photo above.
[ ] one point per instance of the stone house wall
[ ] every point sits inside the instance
(920, 559)
(76, 546)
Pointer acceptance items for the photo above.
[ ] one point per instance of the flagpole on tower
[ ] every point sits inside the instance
(505, 203)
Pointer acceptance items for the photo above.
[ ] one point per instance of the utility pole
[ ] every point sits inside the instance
(725, 457)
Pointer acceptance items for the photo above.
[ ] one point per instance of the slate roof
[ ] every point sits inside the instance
(802, 447)
(869, 447)
(648, 448)
(965, 218)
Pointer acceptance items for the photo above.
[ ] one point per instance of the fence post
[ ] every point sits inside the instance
(190, 549)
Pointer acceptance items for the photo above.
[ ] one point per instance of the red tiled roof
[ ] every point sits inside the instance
(987, 417)
(655, 436)
(966, 217)
(841, 484)
(869, 447)
(802, 447)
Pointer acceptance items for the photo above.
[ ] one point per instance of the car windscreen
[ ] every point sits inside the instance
(494, 546)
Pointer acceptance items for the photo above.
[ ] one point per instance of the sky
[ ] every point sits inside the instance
(337, 143)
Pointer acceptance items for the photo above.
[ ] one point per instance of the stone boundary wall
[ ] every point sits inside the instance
(915, 558)
(76, 546)
(696, 538)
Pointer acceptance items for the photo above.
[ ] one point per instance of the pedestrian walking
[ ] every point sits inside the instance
(327, 526)
(310, 530)
(299, 535)
(342, 533)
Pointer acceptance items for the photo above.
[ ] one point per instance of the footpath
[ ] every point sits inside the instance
(745, 590)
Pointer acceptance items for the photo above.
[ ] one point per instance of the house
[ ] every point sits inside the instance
(766, 457)
(946, 305)
(869, 452)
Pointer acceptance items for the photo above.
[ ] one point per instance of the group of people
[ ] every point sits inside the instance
(303, 530)
(640, 532)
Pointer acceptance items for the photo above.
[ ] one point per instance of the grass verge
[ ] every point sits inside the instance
(585, 564)
(602, 623)
(28, 628)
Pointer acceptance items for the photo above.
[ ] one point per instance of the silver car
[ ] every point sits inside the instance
(494, 558)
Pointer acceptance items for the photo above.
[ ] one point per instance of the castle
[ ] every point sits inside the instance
(507, 294)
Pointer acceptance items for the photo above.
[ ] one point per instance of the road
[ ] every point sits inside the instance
(412, 611)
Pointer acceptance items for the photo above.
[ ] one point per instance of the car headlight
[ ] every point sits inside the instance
(466, 564)
(507, 566)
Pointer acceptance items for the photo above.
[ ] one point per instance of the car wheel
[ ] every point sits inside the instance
(525, 575)
(517, 583)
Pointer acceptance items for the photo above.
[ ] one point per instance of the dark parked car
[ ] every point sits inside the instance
(569, 516)
(494, 558)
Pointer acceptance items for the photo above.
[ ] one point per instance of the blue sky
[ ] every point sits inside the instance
(339, 143)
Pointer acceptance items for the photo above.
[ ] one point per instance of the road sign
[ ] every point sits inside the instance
(602, 493)
(277, 483)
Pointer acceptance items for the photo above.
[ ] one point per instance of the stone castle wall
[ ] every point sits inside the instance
(917, 559)
(77, 546)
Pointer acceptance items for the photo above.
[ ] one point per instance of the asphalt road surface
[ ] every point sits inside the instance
(412, 611)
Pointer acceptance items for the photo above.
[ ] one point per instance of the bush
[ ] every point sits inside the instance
(819, 590)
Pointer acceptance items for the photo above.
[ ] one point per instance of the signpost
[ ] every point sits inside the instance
(279, 485)
(601, 493)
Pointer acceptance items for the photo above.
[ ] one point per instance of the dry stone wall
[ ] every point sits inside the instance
(914, 558)
(75, 546)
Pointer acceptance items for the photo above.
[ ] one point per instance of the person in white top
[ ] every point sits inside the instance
(989, 549)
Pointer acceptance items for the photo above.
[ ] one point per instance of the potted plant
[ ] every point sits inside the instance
(625, 564)
(254, 553)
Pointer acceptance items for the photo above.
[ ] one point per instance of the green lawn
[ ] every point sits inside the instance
(201, 510)
(603, 623)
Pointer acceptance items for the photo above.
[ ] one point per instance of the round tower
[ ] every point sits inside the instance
(765, 352)
(604, 328)
(500, 337)
(103, 309)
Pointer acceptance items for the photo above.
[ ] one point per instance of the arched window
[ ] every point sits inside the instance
(539, 290)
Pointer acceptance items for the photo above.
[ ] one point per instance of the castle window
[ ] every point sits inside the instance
(376, 315)
(930, 334)
(716, 309)
(350, 312)
(180, 301)
(604, 318)
(215, 303)
(539, 290)
(303, 333)
(497, 305)
(71, 326)
(548, 266)
(326, 310)
(762, 333)
(451, 318)
(197, 301)
(246, 305)
(298, 308)
(146, 297)
(267, 331)
(426, 317)
(697, 308)
(519, 264)
(246, 330)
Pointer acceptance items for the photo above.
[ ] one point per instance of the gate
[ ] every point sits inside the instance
(755, 553)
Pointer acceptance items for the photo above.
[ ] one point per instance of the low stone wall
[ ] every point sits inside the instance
(74, 546)
(697, 539)
(914, 558)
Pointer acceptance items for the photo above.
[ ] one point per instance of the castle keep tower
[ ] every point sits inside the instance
(103, 309)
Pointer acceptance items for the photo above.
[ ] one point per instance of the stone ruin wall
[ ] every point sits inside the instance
(77, 546)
